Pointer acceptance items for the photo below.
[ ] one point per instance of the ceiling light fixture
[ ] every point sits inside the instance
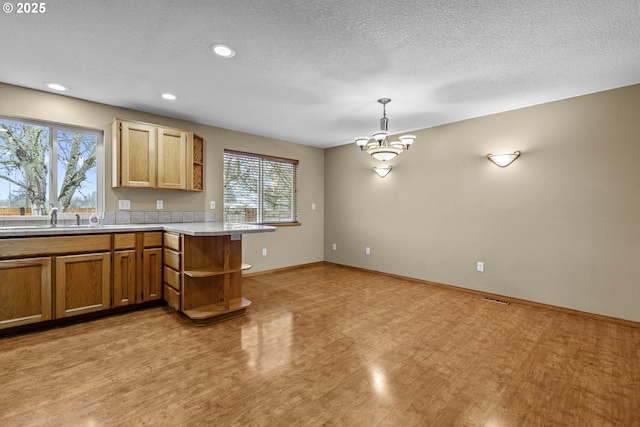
(379, 146)
(382, 171)
(503, 160)
(169, 96)
(223, 50)
(56, 86)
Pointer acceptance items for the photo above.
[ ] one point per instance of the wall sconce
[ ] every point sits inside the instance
(382, 171)
(503, 160)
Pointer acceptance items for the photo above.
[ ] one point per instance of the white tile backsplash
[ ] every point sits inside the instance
(154, 217)
(118, 217)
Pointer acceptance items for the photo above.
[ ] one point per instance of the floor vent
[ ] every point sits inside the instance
(499, 301)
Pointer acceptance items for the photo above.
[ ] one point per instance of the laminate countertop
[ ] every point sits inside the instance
(190, 228)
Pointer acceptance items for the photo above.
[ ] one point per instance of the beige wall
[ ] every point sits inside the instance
(287, 246)
(560, 226)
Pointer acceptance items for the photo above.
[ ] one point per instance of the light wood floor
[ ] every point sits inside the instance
(329, 346)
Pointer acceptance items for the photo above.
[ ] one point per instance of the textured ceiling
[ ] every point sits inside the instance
(310, 71)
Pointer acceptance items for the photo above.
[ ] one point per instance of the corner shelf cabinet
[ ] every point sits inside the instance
(203, 276)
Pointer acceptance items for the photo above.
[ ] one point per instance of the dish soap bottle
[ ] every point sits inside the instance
(94, 221)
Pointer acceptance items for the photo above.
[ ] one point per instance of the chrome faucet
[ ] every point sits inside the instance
(54, 216)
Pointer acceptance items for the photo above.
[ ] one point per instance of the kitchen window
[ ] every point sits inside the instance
(44, 165)
(260, 189)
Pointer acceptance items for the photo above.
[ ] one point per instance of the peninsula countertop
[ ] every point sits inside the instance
(188, 228)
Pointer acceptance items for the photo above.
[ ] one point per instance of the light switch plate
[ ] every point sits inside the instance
(159, 204)
(212, 204)
(124, 204)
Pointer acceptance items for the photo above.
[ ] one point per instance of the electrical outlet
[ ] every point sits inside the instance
(480, 267)
(367, 251)
(159, 204)
(124, 204)
(264, 251)
(334, 246)
(212, 204)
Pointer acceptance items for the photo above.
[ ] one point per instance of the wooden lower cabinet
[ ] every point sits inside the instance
(152, 274)
(203, 276)
(83, 284)
(137, 268)
(25, 291)
(124, 278)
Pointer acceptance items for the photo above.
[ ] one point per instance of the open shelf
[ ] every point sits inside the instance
(205, 273)
(198, 163)
(214, 271)
(213, 310)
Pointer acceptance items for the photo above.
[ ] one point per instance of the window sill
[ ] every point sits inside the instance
(282, 224)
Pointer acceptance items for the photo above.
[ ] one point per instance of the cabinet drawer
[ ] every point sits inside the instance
(172, 277)
(172, 259)
(172, 297)
(124, 241)
(152, 239)
(172, 241)
(30, 246)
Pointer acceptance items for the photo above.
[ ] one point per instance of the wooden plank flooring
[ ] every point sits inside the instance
(329, 346)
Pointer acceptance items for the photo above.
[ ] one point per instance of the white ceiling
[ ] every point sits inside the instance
(310, 71)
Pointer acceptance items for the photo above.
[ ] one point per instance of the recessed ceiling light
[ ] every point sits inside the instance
(223, 50)
(169, 96)
(56, 86)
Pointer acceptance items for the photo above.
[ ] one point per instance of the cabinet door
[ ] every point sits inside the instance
(124, 277)
(83, 284)
(172, 158)
(137, 155)
(152, 274)
(25, 291)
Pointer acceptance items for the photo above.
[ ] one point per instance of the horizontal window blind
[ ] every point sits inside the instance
(259, 189)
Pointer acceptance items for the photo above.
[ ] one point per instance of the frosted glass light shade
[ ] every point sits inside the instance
(407, 140)
(384, 152)
(380, 136)
(361, 141)
(382, 171)
(503, 160)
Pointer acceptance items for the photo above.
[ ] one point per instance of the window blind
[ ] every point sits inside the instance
(260, 189)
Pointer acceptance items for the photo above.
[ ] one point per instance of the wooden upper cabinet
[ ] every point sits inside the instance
(151, 156)
(172, 158)
(134, 155)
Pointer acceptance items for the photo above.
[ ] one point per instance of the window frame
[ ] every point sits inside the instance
(52, 191)
(265, 157)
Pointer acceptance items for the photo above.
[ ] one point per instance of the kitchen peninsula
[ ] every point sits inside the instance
(52, 273)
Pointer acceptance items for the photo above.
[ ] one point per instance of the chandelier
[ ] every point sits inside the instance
(378, 145)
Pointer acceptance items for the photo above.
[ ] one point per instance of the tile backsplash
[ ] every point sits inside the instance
(117, 217)
(155, 217)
